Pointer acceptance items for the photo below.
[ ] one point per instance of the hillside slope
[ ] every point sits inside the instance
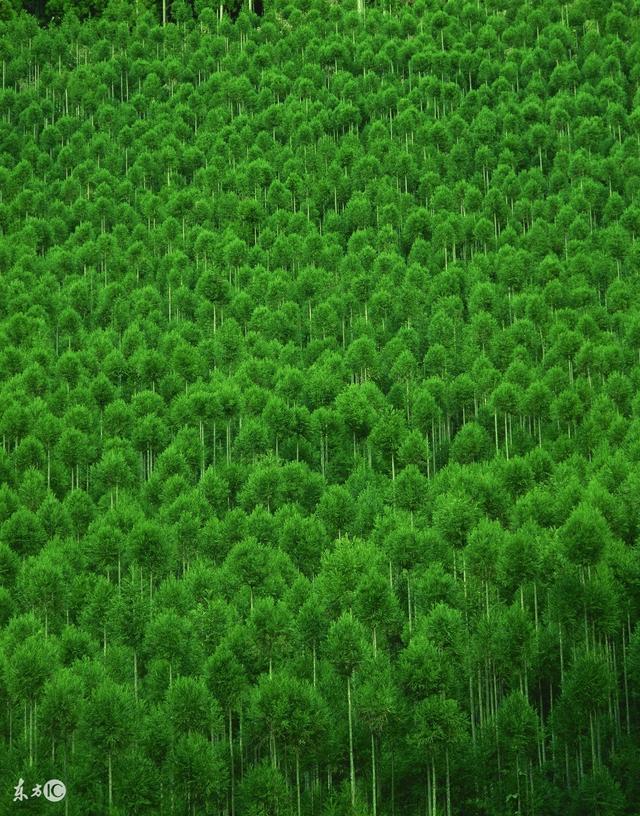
(319, 372)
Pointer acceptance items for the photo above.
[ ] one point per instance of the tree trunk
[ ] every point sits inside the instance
(433, 787)
(240, 743)
(110, 778)
(233, 796)
(374, 797)
(506, 436)
(298, 781)
(30, 733)
(626, 682)
(314, 664)
(352, 772)
(446, 753)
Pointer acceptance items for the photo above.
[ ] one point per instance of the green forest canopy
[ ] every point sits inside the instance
(52, 11)
(319, 395)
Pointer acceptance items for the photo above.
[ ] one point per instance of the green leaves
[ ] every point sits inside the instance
(199, 770)
(517, 726)
(346, 644)
(318, 371)
(191, 710)
(28, 667)
(584, 536)
(108, 719)
(289, 710)
(437, 724)
(225, 676)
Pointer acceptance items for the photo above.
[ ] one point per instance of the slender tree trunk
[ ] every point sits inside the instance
(352, 772)
(240, 745)
(506, 436)
(433, 787)
(472, 710)
(110, 780)
(298, 782)
(314, 664)
(233, 793)
(374, 797)
(446, 754)
(30, 733)
(626, 682)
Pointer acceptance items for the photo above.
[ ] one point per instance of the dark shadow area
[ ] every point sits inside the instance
(235, 8)
(83, 10)
(35, 7)
(38, 9)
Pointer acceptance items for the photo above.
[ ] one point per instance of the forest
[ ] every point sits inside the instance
(320, 408)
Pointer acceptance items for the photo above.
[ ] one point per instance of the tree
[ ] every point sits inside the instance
(437, 725)
(287, 711)
(249, 563)
(377, 703)
(28, 667)
(130, 613)
(108, 724)
(152, 548)
(199, 771)
(471, 444)
(264, 791)
(584, 536)
(599, 793)
(376, 605)
(190, 708)
(345, 644)
(517, 732)
(41, 584)
(356, 407)
(24, 531)
(60, 709)
(387, 435)
(226, 678)
(271, 623)
(411, 489)
(278, 418)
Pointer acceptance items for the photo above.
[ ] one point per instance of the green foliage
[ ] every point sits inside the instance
(319, 363)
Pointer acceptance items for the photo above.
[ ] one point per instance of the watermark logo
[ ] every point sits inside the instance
(20, 795)
(53, 791)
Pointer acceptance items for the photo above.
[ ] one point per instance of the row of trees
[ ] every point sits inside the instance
(320, 354)
(50, 12)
